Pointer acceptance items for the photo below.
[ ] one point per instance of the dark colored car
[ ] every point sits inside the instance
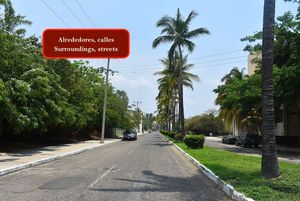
(229, 139)
(248, 140)
(130, 135)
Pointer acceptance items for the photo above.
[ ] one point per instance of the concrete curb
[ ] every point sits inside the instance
(225, 187)
(47, 160)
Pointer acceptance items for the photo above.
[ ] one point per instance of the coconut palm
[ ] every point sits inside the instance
(177, 31)
(229, 115)
(169, 81)
(169, 75)
(163, 109)
(270, 167)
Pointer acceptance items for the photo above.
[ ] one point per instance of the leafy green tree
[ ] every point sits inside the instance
(205, 124)
(229, 112)
(10, 22)
(32, 93)
(53, 98)
(118, 114)
(148, 120)
(240, 100)
(137, 116)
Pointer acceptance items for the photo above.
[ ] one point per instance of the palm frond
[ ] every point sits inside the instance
(197, 32)
(171, 51)
(162, 39)
(189, 44)
(192, 76)
(188, 84)
(191, 16)
(164, 21)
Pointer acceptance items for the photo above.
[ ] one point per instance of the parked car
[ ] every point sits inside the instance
(229, 139)
(129, 135)
(248, 140)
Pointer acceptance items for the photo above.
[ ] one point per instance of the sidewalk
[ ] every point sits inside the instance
(12, 162)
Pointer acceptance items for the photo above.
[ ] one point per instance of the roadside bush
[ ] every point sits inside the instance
(163, 132)
(190, 133)
(194, 141)
(170, 134)
(179, 137)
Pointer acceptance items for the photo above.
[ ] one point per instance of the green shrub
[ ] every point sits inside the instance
(194, 141)
(179, 137)
(190, 133)
(170, 134)
(163, 132)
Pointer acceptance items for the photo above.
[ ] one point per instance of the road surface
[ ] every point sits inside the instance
(147, 169)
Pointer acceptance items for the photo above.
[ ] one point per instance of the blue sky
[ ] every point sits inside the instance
(214, 55)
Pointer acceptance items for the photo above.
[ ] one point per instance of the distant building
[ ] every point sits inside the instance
(252, 62)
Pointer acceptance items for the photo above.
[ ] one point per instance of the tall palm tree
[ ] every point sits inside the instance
(229, 115)
(177, 31)
(269, 164)
(169, 80)
(163, 108)
(169, 73)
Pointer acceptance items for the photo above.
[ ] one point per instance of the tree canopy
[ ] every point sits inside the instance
(239, 96)
(47, 96)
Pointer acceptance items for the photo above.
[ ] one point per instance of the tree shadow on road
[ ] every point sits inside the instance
(158, 144)
(196, 187)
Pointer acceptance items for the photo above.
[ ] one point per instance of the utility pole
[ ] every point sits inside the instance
(136, 103)
(107, 70)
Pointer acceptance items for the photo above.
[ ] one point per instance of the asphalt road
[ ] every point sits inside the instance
(147, 169)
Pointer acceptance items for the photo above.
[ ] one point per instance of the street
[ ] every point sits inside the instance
(147, 169)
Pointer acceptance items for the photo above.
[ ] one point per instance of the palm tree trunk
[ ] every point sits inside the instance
(180, 94)
(173, 110)
(167, 124)
(269, 165)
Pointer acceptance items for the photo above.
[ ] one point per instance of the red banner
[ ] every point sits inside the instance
(85, 43)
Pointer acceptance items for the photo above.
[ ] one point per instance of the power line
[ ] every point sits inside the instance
(218, 54)
(71, 11)
(85, 13)
(207, 66)
(213, 65)
(205, 62)
(226, 59)
(55, 13)
(208, 56)
(157, 64)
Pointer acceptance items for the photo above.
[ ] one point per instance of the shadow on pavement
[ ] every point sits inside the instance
(189, 188)
(158, 144)
(31, 152)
